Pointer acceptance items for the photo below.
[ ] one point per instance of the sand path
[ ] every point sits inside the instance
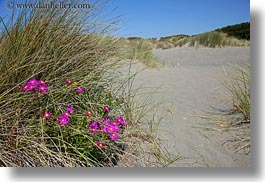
(188, 85)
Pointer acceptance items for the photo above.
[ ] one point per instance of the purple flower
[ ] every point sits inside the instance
(121, 120)
(104, 129)
(79, 89)
(43, 89)
(112, 129)
(93, 124)
(100, 145)
(41, 82)
(114, 136)
(32, 82)
(62, 120)
(106, 108)
(114, 123)
(93, 127)
(70, 109)
(47, 115)
(106, 121)
(66, 114)
(68, 82)
(25, 88)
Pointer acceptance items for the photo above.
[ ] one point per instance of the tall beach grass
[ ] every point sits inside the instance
(54, 45)
(141, 50)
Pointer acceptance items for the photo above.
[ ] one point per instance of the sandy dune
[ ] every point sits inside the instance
(190, 84)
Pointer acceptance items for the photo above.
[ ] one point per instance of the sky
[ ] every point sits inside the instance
(158, 18)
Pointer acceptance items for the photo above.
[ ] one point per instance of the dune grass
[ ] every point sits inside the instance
(237, 119)
(141, 50)
(212, 39)
(238, 85)
(209, 39)
(239, 88)
(55, 45)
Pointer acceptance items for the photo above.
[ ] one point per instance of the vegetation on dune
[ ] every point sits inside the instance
(240, 31)
(141, 50)
(208, 39)
(64, 99)
(59, 105)
(215, 39)
(236, 119)
(173, 37)
(239, 87)
(234, 35)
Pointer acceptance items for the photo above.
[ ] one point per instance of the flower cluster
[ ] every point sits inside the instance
(64, 119)
(35, 85)
(106, 126)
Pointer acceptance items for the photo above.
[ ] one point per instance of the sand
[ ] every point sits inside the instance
(189, 85)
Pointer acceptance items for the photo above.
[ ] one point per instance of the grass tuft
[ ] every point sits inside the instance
(141, 50)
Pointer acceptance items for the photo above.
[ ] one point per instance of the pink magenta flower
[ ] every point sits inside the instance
(31, 87)
(25, 88)
(112, 129)
(47, 115)
(114, 123)
(100, 145)
(121, 120)
(114, 136)
(93, 130)
(43, 89)
(32, 81)
(68, 82)
(66, 114)
(70, 109)
(35, 84)
(63, 120)
(41, 82)
(106, 108)
(79, 89)
(104, 129)
(106, 121)
(93, 127)
(89, 113)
